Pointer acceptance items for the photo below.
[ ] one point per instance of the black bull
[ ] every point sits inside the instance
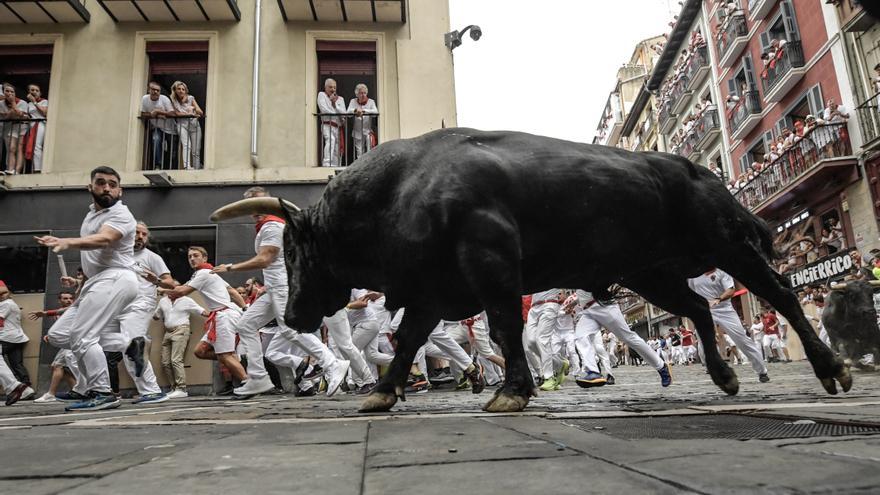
(460, 220)
(851, 320)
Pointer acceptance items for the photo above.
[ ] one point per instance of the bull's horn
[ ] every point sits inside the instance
(875, 283)
(838, 286)
(265, 205)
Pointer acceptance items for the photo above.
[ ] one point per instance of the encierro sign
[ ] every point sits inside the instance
(818, 272)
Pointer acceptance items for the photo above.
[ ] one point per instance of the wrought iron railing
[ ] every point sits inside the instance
(345, 137)
(698, 60)
(789, 57)
(869, 118)
(820, 143)
(173, 143)
(21, 145)
(665, 113)
(693, 142)
(748, 104)
(736, 27)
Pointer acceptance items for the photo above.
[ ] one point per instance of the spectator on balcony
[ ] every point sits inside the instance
(189, 130)
(362, 133)
(809, 124)
(12, 109)
(38, 108)
(162, 131)
(832, 244)
(330, 103)
(834, 113)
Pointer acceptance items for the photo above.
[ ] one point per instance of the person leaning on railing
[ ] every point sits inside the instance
(163, 147)
(362, 132)
(189, 130)
(38, 111)
(13, 108)
(330, 103)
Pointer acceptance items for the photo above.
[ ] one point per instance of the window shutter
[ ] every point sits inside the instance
(790, 21)
(768, 138)
(814, 97)
(731, 86)
(783, 123)
(750, 72)
(744, 162)
(765, 41)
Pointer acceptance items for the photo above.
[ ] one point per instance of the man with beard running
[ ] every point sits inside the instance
(106, 245)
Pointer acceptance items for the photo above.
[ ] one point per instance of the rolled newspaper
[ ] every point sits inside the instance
(62, 266)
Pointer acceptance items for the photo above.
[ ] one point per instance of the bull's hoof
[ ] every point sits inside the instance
(726, 379)
(829, 385)
(505, 402)
(731, 386)
(378, 402)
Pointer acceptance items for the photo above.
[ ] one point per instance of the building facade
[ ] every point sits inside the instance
(254, 67)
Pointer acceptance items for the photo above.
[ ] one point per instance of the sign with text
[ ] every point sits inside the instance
(831, 267)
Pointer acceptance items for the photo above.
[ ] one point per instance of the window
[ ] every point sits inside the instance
(172, 245)
(21, 144)
(24, 262)
(809, 104)
(349, 63)
(176, 143)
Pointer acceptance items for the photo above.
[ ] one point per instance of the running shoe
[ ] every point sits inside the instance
(314, 373)
(309, 392)
(764, 378)
(15, 394)
(417, 384)
(475, 375)
(609, 380)
(440, 376)
(562, 373)
(336, 376)
(46, 398)
(135, 352)
(28, 393)
(300, 371)
(72, 396)
(365, 388)
(665, 375)
(178, 394)
(590, 379)
(97, 401)
(549, 384)
(255, 386)
(151, 398)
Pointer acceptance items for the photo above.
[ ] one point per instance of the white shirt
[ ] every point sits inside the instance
(547, 295)
(34, 113)
(325, 106)
(712, 286)
(119, 254)
(362, 125)
(826, 115)
(272, 234)
(213, 288)
(146, 259)
(564, 323)
(11, 331)
(176, 313)
(757, 330)
(163, 104)
(359, 316)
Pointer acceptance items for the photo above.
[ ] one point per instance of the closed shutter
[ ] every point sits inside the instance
(731, 87)
(750, 72)
(744, 162)
(768, 138)
(790, 21)
(765, 41)
(814, 98)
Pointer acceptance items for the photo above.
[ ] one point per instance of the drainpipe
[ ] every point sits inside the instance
(255, 99)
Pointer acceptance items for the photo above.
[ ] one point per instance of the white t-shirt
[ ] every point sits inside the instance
(712, 286)
(826, 115)
(272, 234)
(16, 129)
(34, 113)
(213, 288)
(118, 254)
(564, 323)
(11, 331)
(163, 104)
(174, 314)
(359, 316)
(146, 259)
(547, 295)
(325, 106)
(757, 329)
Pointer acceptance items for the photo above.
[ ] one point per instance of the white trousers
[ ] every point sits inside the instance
(339, 329)
(190, 133)
(727, 318)
(365, 336)
(330, 157)
(612, 319)
(38, 147)
(101, 300)
(540, 328)
(441, 345)
(7, 379)
(135, 322)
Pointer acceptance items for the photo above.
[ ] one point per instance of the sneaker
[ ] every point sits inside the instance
(590, 379)
(337, 376)
(15, 395)
(365, 388)
(563, 372)
(46, 398)
(763, 378)
(417, 384)
(314, 373)
(609, 380)
(309, 392)
(28, 393)
(72, 396)
(666, 375)
(135, 352)
(475, 375)
(441, 376)
(255, 386)
(178, 394)
(227, 390)
(300, 371)
(549, 384)
(97, 401)
(151, 398)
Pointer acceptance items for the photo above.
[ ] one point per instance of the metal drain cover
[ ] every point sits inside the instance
(729, 426)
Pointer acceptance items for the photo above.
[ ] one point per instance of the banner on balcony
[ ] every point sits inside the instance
(832, 267)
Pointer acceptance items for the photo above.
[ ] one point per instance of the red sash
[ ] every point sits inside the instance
(211, 325)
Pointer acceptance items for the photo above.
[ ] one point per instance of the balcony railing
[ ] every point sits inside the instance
(173, 143)
(791, 56)
(748, 105)
(665, 117)
(345, 137)
(869, 119)
(820, 143)
(693, 144)
(21, 145)
(735, 28)
(699, 60)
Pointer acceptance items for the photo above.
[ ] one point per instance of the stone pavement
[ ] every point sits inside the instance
(785, 436)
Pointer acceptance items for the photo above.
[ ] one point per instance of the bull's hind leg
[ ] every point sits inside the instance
(673, 294)
(750, 269)
(489, 259)
(412, 334)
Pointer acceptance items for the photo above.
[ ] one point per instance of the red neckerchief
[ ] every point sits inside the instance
(266, 219)
(205, 266)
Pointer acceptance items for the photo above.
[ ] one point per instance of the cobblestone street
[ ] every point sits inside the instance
(784, 436)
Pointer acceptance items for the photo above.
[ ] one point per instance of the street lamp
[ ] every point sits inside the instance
(452, 39)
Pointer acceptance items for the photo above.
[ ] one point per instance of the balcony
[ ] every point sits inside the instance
(172, 143)
(758, 9)
(680, 95)
(733, 40)
(666, 118)
(345, 137)
(21, 145)
(698, 67)
(171, 10)
(745, 115)
(704, 130)
(44, 12)
(390, 11)
(821, 159)
(869, 121)
(782, 74)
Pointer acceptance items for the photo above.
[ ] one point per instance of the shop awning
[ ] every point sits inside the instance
(171, 10)
(42, 12)
(393, 11)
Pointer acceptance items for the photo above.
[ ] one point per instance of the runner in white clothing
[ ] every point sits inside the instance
(10, 331)
(106, 245)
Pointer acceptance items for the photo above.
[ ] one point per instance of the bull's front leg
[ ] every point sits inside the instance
(412, 334)
(506, 330)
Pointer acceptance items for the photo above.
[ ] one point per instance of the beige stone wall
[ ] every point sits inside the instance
(861, 214)
(99, 75)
